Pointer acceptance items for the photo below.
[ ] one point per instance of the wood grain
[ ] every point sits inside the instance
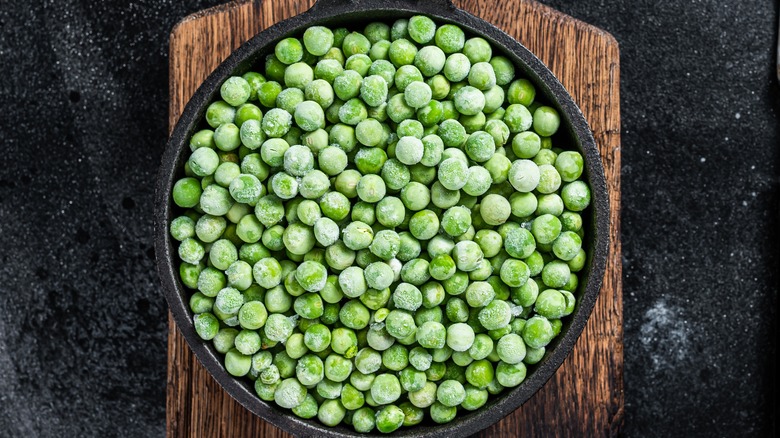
(585, 396)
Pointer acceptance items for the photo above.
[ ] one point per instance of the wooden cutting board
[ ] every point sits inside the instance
(585, 396)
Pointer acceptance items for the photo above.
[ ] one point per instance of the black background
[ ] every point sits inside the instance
(83, 122)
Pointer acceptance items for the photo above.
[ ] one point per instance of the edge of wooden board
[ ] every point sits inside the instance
(608, 140)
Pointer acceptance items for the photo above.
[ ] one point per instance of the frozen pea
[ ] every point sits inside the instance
(332, 160)
(469, 100)
(546, 228)
(474, 122)
(406, 75)
(521, 91)
(352, 112)
(538, 332)
(369, 132)
(335, 205)
(576, 196)
(326, 231)
(386, 389)
(480, 146)
(247, 112)
(410, 128)
(450, 393)
(358, 235)
(268, 92)
(498, 130)
(309, 116)
(456, 221)
(227, 137)
(289, 50)
(524, 175)
(482, 76)
(424, 224)
(318, 40)
(514, 273)
(417, 94)
(298, 238)
(467, 255)
(289, 98)
(187, 192)
(495, 209)
(371, 188)
(354, 43)
(556, 274)
(520, 243)
(504, 70)
(215, 200)
(358, 62)
(478, 182)
(546, 121)
(402, 52)
(400, 324)
(379, 275)
(409, 150)
(353, 282)
(226, 172)
(311, 276)
(235, 90)
(395, 174)
(384, 69)
(523, 204)
(450, 38)
(397, 109)
(431, 114)
(203, 162)
(443, 197)
(460, 336)
(421, 29)
(328, 70)
(314, 184)
(477, 50)
(373, 90)
(385, 245)
(549, 179)
(479, 294)
(284, 185)
(390, 211)
(272, 151)
(456, 67)
(517, 118)
(453, 173)
(551, 304)
(276, 123)
(377, 31)
(298, 75)
(218, 113)
(430, 60)
(298, 160)
(289, 393)
(415, 196)
(236, 363)
(407, 297)
(369, 160)
(526, 144)
(494, 98)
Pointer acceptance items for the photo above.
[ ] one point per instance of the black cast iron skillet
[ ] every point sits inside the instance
(356, 14)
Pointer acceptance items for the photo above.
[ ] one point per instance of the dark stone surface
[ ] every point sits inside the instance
(84, 89)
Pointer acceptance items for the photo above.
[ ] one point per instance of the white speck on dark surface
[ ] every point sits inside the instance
(664, 336)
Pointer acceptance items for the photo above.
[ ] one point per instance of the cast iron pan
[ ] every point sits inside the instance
(355, 14)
